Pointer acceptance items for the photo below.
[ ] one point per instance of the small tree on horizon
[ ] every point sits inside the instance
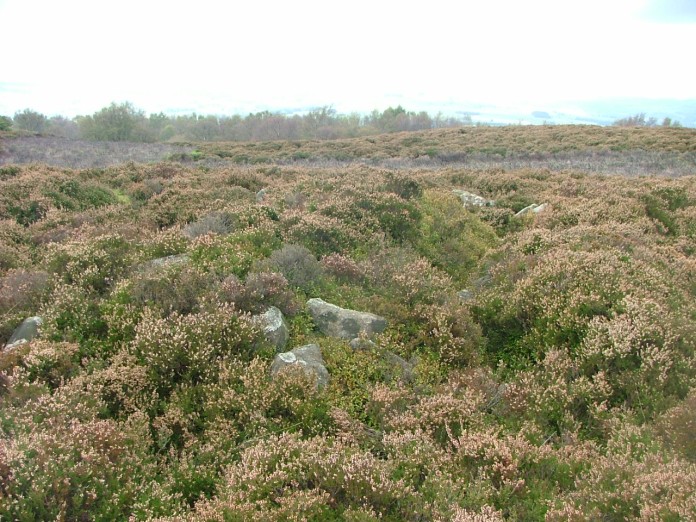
(30, 121)
(5, 123)
(637, 120)
(117, 122)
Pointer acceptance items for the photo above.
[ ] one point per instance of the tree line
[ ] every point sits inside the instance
(124, 122)
(639, 120)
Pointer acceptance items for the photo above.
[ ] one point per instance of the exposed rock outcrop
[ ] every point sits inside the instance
(275, 329)
(465, 295)
(25, 332)
(308, 358)
(534, 208)
(473, 200)
(164, 262)
(334, 321)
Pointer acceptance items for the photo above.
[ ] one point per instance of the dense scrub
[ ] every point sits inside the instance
(559, 386)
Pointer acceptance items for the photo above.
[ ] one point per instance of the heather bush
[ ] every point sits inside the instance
(403, 186)
(236, 252)
(343, 268)
(321, 234)
(353, 372)
(175, 289)
(76, 470)
(676, 428)
(70, 314)
(221, 255)
(92, 264)
(633, 481)
(215, 222)
(51, 363)
(246, 404)
(21, 294)
(259, 291)
(285, 476)
(298, 265)
(184, 349)
(451, 333)
(548, 296)
(394, 216)
(450, 236)
(162, 243)
(73, 195)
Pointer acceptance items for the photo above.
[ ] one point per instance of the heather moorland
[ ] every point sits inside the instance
(513, 336)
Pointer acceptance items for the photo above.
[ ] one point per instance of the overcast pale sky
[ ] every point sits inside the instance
(76, 56)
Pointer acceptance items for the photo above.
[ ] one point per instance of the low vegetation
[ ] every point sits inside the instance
(535, 365)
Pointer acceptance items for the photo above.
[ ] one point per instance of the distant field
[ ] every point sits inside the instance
(451, 144)
(607, 150)
(83, 154)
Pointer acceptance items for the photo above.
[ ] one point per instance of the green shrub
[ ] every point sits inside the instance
(5, 123)
(29, 213)
(298, 265)
(215, 222)
(450, 236)
(403, 186)
(259, 291)
(185, 349)
(73, 195)
(173, 290)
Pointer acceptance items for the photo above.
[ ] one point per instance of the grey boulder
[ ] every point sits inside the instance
(341, 323)
(275, 329)
(473, 200)
(25, 332)
(533, 208)
(162, 263)
(308, 358)
(465, 296)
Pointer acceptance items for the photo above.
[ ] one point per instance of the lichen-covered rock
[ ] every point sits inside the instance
(465, 295)
(308, 358)
(275, 329)
(25, 332)
(341, 323)
(359, 344)
(473, 200)
(534, 208)
(164, 262)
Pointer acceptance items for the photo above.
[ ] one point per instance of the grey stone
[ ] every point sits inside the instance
(465, 296)
(25, 332)
(165, 262)
(473, 200)
(275, 329)
(359, 344)
(534, 208)
(334, 321)
(308, 358)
